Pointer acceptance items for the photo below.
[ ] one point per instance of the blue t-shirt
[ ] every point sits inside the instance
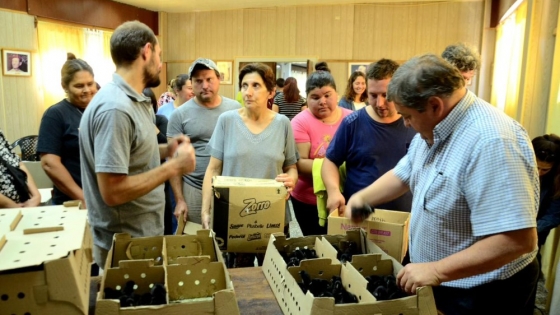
(166, 110)
(370, 149)
(58, 135)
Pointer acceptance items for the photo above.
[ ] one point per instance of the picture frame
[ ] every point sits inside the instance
(355, 66)
(226, 71)
(16, 62)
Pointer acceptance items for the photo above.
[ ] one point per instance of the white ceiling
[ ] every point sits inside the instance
(178, 6)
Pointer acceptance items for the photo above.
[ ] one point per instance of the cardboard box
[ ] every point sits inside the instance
(45, 257)
(246, 211)
(292, 300)
(193, 272)
(387, 229)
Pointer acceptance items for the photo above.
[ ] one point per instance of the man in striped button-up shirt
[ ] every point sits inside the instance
(473, 176)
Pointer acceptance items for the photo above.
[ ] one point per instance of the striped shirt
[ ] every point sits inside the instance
(288, 109)
(478, 178)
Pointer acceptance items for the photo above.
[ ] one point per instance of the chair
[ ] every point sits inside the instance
(28, 147)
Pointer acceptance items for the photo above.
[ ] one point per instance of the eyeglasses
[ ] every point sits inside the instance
(546, 156)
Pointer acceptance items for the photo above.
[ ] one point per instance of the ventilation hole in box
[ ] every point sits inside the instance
(204, 270)
(183, 246)
(126, 276)
(181, 283)
(359, 297)
(135, 287)
(36, 224)
(196, 282)
(61, 224)
(21, 295)
(361, 269)
(62, 217)
(151, 285)
(374, 267)
(57, 236)
(349, 285)
(26, 243)
(17, 260)
(3, 214)
(142, 275)
(43, 211)
(299, 309)
(4, 297)
(212, 281)
(118, 287)
(158, 259)
(53, 245)
(39, 217)
(22, 252)
(27, 313)
(188, 272)
(320, 272)
(154, 248)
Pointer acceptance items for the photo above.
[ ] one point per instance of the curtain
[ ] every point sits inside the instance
(508, 61)
(55, 41)
(98, 54)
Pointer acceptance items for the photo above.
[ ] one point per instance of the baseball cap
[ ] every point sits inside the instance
(207, 63)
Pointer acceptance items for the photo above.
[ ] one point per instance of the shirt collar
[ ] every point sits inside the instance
(448, 124)
(128, 90)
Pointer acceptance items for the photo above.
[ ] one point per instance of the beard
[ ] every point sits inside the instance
(151, 80)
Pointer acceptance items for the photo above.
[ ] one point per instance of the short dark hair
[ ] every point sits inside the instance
(263, 70)
(547, 149)
(462, 56)
(381, 70)
(280, 82)
(319, 79)
(128, 40)
(179, 81)
(71, 67)
(349, 94)
(422, 77)
(322, 66)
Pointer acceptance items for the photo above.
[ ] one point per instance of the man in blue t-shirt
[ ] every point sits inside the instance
(371, 141)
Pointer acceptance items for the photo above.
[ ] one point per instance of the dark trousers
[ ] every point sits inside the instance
(308, 218)
(512, 296)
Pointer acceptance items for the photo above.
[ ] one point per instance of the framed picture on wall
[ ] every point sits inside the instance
(357, 66)
(16, 62)
(226, 71)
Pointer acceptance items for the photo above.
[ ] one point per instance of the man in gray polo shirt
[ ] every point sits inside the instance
(121, 172)
(197, 119)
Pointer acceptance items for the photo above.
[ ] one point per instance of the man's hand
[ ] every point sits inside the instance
(185, 157)
(173, 144)
(336, 201)
(413, 276)
(355, 202)
(181, 210)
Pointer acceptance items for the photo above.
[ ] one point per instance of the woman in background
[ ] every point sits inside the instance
(182, 87)
(252, 141)
(9, 195)
(355, 96)
(58, 143)
(313, 131)
(547, 151)
(288, 102)
(167, 96)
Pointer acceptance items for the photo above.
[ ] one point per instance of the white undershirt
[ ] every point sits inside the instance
(359, 105)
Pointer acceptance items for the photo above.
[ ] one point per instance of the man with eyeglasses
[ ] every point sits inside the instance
(464, 58)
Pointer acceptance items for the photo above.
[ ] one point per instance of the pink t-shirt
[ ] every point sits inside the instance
(307, 128)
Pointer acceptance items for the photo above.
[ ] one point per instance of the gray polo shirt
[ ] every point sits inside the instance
(118, 135)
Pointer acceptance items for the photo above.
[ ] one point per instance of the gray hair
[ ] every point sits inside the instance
(462, 56)
(422, 77)
(319, 79)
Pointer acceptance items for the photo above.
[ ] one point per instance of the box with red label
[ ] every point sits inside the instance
(387, 229)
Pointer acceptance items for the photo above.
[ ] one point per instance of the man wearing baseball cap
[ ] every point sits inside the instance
(197, 119)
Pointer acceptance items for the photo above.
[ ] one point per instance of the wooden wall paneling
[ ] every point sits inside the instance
(219, 34)
(162, 37)
(176, 68)
(285, 31)
(20, 97)
(339, 71)
(181, 36)
(325, 31)
(259, 27)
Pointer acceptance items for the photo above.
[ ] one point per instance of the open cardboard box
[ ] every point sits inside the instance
(246, 211)
(193, 271)
(292, 300)
(45, 257)
(386, 228)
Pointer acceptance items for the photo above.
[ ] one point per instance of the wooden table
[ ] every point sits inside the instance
(254, 295)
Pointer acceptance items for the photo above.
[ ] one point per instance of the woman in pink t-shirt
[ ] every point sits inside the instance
(313, 130)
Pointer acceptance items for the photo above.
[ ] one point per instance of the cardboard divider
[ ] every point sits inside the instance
(195, 277)
(201, 244)
(127, 248)
(374, 261)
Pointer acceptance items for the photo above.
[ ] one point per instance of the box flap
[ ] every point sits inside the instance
(229, 181)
